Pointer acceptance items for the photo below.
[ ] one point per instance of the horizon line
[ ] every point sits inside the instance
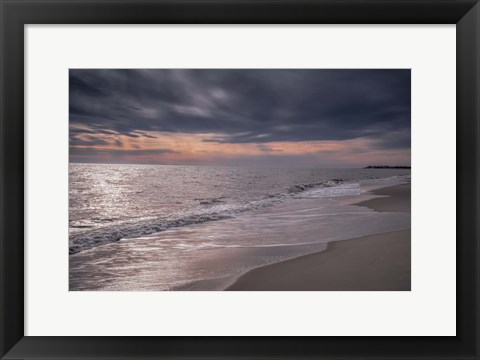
(230, 165)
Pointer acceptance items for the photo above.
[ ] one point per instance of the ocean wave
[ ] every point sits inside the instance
(210, 201)
(298, 188)
(107, 234)
(216, 209)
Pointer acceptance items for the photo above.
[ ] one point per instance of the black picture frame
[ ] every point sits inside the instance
(15, 14)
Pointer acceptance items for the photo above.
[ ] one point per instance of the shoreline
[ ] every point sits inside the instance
(380, 262)
(147, 264)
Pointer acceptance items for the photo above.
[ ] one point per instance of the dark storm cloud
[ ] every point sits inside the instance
(89, 141)
(245, 106)
(393, 140)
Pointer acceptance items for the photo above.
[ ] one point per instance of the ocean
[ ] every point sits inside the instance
(167, 227)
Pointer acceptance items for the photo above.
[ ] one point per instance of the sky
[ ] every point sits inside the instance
(294, 117)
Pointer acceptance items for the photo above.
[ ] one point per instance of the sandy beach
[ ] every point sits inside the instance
(378, 262)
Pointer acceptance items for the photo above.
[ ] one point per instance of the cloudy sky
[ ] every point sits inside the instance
(330, 118)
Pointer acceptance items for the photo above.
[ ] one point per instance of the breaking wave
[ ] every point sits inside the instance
(217, 209)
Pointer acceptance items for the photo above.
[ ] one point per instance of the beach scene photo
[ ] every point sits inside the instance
(239, 180)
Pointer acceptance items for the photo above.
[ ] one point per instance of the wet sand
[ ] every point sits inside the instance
(393, 199)
(378, 262)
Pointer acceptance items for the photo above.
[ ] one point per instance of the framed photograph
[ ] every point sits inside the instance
(239, 179)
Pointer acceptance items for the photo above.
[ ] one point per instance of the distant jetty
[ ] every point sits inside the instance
(386, 167)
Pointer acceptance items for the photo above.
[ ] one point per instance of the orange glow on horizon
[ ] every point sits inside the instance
(184, 147)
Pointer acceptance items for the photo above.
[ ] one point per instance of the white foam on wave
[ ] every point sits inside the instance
(345, 189)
